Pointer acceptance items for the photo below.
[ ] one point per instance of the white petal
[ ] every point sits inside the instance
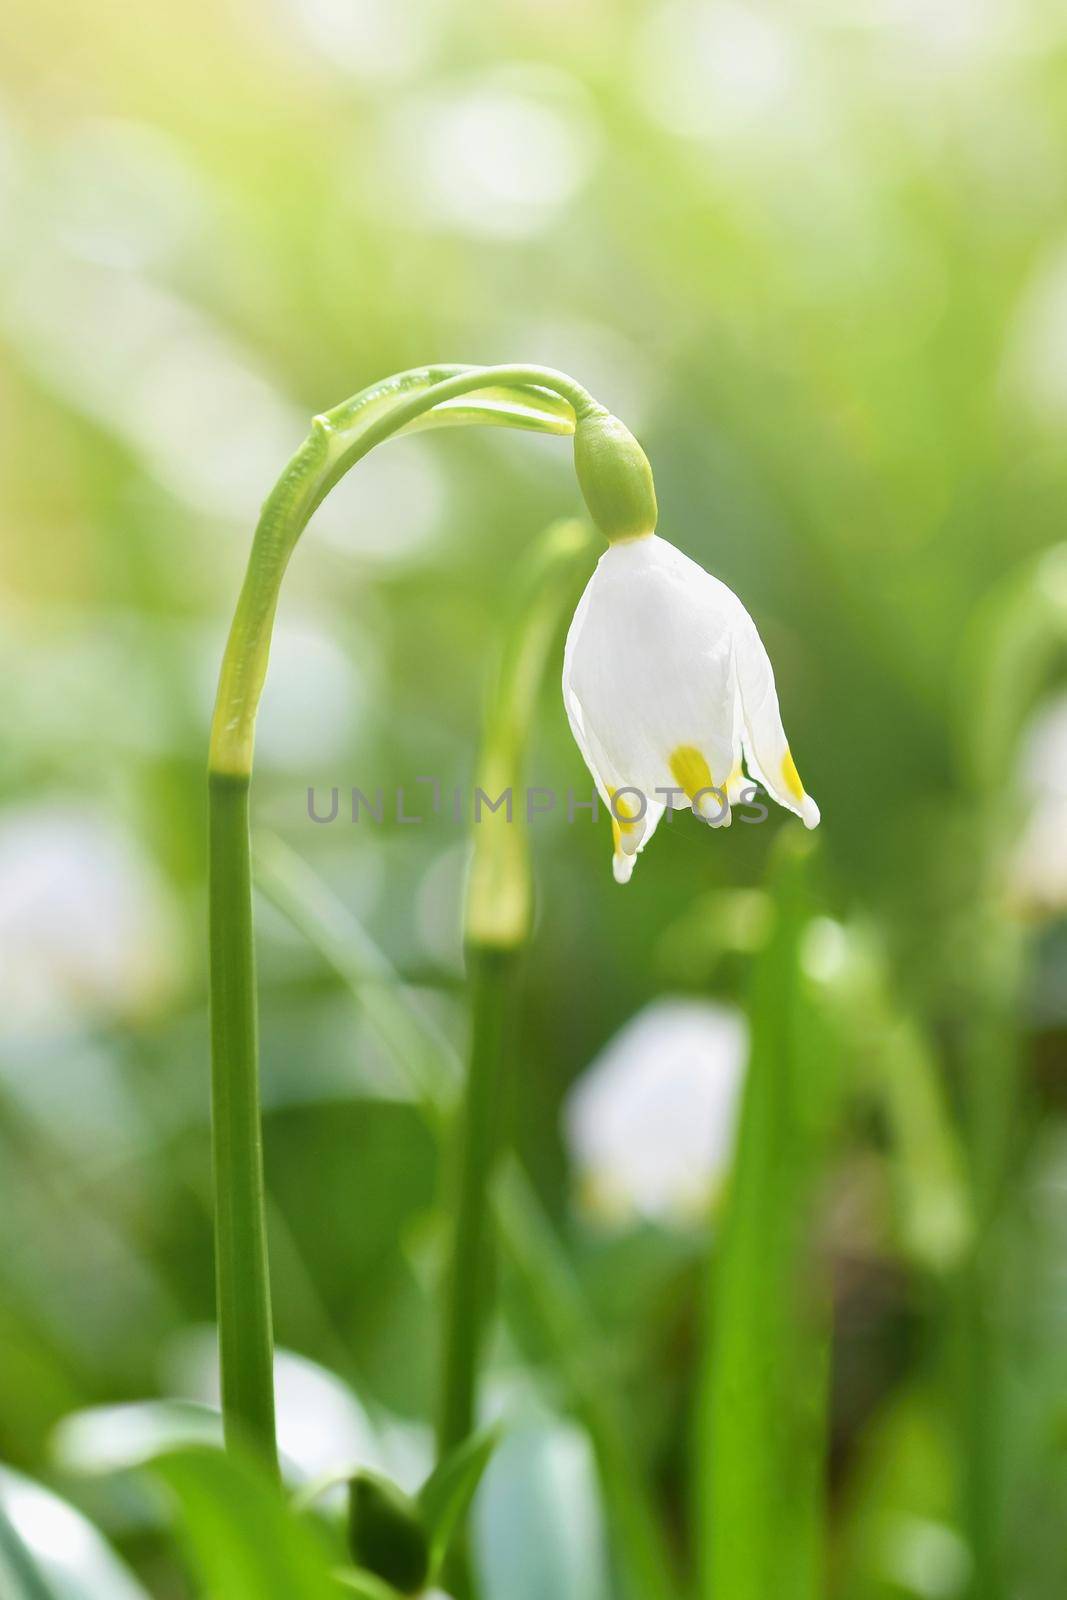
(608, 781)
(622, 867)
(767, 753)
(649, 663)
(666, 683)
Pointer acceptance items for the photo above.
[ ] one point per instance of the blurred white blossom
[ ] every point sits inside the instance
(322, 1425)
(76, 1561)
(315, 699)
(1038, 862)
(87, 929)
(650, 1124)
(389, 510)
(500, 156)
(374, 41)
(709, 70)
(1035, 361)
(188, 398)
(123, 194)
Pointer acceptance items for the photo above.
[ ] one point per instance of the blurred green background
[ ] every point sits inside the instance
(815, 255)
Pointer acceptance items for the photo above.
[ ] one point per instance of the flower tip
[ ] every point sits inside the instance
(809, 812)
(713, 808)
(622, 867)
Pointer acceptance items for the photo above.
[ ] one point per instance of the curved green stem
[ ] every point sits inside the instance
(519, 396)
(338, 439)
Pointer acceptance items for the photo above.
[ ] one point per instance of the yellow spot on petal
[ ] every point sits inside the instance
(791, 777)
(690, 771)
(623, 817)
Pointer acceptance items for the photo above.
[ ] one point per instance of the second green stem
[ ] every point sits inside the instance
(491, 976)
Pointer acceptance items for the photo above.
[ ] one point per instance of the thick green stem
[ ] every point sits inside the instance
(242, 1279)
(491, 977)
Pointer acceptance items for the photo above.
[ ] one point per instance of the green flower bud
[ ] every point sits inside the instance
(615, 477)
(386, 1534)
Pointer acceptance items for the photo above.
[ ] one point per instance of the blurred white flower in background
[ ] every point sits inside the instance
(374, 41)
(650, 1124)
(87, 928)
(501, 156)
(390, 509)
(183, 394)
(538, 1523)
(123, 194)
(315, 699)
(611, 364)
(322, 1425)
(76, 1561)
(952, 35)
(923, 1557)
(1035, 360)
(710, 70)
(119, 200)
(1037, 869)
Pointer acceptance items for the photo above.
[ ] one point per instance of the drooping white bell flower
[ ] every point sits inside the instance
(671, 697)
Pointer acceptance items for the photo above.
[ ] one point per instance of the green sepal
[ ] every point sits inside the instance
(615, 477)
(448, 1491)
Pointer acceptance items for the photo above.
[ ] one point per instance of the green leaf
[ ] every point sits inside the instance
(448, 1491)
(762, 1427)
(244, 1541)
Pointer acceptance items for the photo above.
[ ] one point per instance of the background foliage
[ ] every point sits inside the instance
(815, 255)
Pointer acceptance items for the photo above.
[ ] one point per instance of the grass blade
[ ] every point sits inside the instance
(761, 1428)
(244, 1540)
